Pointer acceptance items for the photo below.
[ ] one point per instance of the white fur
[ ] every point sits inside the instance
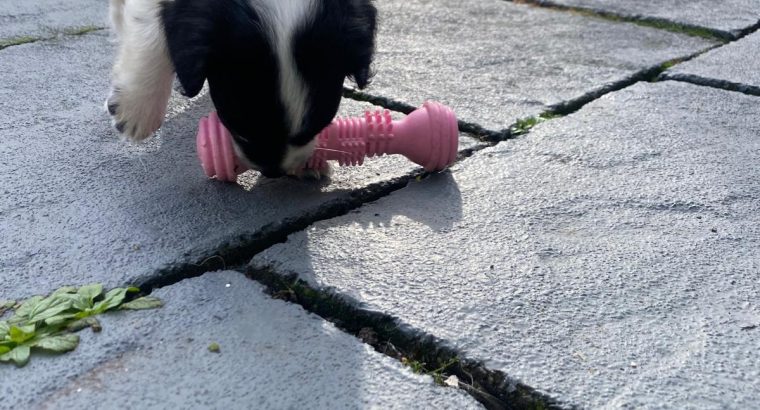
(143, 72)
(283, 18)
(296, 156)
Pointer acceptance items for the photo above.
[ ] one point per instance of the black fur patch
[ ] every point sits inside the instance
(224, 42)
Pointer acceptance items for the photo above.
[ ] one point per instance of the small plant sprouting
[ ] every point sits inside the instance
(439, 374)
(523, 125)
(49, 323)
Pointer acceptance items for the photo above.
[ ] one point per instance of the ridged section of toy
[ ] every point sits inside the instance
(215, 150)
(379, 132)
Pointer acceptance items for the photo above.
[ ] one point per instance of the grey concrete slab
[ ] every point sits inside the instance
(77, 205)
(495, 61)
(43, 18)
(610, 258)
(730, 17)
(273, 355)
(735, 66)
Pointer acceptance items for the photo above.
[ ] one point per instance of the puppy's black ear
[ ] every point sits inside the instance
(189, 26)
(359, 40)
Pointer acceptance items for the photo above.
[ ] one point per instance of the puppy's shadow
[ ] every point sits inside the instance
(435, 202)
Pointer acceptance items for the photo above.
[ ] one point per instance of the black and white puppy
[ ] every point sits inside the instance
(275, 68)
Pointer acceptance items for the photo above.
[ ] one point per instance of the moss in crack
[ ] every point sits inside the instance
(524, 125)
(81, 30)
(17, 41)
(693, 31)
(71, 31)
(652, 22)
(423, 353)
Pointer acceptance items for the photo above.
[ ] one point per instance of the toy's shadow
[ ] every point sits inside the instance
(423, 209)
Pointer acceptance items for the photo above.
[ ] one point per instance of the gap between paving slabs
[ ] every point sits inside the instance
(714, 82)
(654, 22)
(389, 336)
(72, 31)
(523, 125)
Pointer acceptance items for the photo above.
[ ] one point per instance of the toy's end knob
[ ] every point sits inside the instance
(433, 136)
(215, 151)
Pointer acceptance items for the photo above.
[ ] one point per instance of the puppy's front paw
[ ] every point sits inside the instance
(135, 115)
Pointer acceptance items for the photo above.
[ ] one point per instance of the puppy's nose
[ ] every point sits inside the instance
(272, 173)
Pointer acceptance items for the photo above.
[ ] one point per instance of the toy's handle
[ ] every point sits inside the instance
(428, 136)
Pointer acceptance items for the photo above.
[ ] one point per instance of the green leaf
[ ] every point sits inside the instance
(59, 344)
(85, 313)
(21, 334)
(4, 349)
(4, 329)
(91, 291)
(26, 307)
(145, 302)
(49, 307)
(78, 302)
(65, 289)
(59, 319)
(113, 298)
(133, 289)
(19, 355)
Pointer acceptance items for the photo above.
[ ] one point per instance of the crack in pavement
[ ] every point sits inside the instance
(561, 109)
(389, 336)
(645, 21)
(70, 31)
(712, 83)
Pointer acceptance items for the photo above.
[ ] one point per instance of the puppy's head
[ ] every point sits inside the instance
(275, 68)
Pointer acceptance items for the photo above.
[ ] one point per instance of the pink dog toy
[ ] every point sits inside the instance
(429, 137)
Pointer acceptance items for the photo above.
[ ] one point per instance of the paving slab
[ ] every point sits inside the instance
(494, 61)
(78, 206)
(734, 66)
(272, 355)
(43, 18)
(610, 258)
(730, 17)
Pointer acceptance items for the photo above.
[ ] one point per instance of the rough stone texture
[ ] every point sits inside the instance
(77, 205)
(727, 16)
(273, 355)
(609, 258)
(44, 18)
(495, 61)
(735, 66)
